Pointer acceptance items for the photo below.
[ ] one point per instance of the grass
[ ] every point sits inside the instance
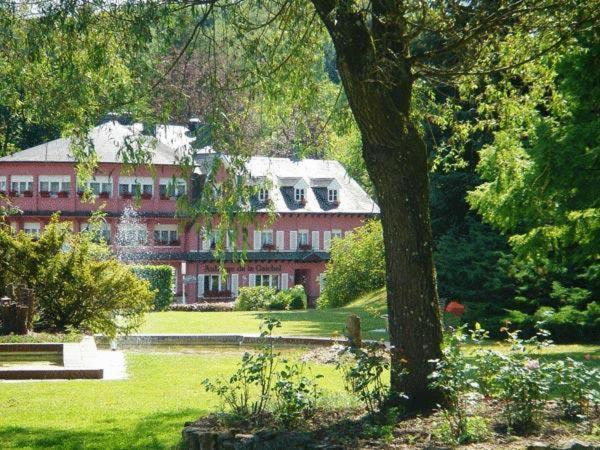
(146, 411)
(314, 322)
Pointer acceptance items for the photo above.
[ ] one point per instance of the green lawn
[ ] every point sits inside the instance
(146, 411)
(302, 323)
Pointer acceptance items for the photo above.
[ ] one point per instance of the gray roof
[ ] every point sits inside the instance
(109, 141)
(352, 198)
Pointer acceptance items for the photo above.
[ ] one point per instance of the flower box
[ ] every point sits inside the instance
(217, 294)
(126, 195)
(14, 193)
(146, 196)
(304, 247)
(104, 195)
(164, 197)
(268, 247)
(175, 243)
(80, 193)
(63, 194)
(45, 194)
(27, 193)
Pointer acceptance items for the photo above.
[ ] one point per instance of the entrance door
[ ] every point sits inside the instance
(301, 277)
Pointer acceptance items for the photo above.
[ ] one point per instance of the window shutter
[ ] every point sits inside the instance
(228, 242)
(234, 284)
(200, 286)
(293, 240)
(257, 243)
(284, 281)
(327, 240)
(280, 244)
(315, 240)
(251, 280)
(321, 282)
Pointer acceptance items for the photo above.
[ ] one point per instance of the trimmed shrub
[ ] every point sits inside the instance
(260, 298)
(254, 298)
(298, 297)
(357, 266)
(162, 282)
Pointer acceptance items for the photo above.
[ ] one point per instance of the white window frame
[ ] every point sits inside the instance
(54, 184)
(168, 231)
(332, 195)
(32, 228)
(100, 184)
(266, 237)
(300, 234)
(263, 194)
(299, 194)
(144, 184)
(3, 184)
(336, 234)
(21, 183)
(211, 277)
(267, 279)
(172, 188)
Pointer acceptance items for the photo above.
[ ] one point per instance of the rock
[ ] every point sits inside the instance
(572, 444)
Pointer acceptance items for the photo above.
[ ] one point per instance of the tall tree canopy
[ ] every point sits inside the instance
(387, 51)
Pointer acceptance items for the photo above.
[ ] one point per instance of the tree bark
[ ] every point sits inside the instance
(375, 70)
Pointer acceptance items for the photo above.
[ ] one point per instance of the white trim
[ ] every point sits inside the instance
(200, 289)
(280, 241)
(234, 284)
(284, 280)
(257, 244)
(293, 240)
(315, 240)
(252, 280)
(321, 282)
(326, 240)
(21, 178)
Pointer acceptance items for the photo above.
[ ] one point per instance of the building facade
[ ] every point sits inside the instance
(313, 202)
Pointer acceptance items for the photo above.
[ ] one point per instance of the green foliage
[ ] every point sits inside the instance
(456, 376)
(76, 282)
(260, 298)
(298, 297)
(578, 388)
(259, 386)
(357, 266)
(162, 283)
(476, 429)
(363, 370)
(296, 395)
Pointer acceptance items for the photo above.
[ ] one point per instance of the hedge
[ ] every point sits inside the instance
(162, 282)
(261, 298)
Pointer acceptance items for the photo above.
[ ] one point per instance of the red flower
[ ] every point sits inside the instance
(455, 308)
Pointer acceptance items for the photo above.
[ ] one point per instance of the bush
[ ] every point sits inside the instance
(78, 284)
(357, 265)
(260, 298)
(162, 282)
(254, 298)
(298, 297)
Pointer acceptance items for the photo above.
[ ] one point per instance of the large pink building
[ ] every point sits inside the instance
(314, 202)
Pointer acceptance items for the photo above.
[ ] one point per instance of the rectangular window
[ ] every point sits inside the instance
(166, 235)
(169, 188)
(55, 184)
(267, 237)
(21, 184)
(263, 195)
(32, 228)
(2, 184)
(336, 234)
(299, 194)
(212, 283)
(269, 280)
(143, 187)
(302, 237)
(332, 195)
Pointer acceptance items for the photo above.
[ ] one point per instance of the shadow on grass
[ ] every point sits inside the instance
(150, 432)
(327, 322)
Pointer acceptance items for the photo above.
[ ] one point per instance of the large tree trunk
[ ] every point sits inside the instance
(399, 174)
(376, 74)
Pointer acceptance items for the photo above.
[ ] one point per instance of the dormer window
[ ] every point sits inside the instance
(332, 195)
(299, 195)
(263, 195)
